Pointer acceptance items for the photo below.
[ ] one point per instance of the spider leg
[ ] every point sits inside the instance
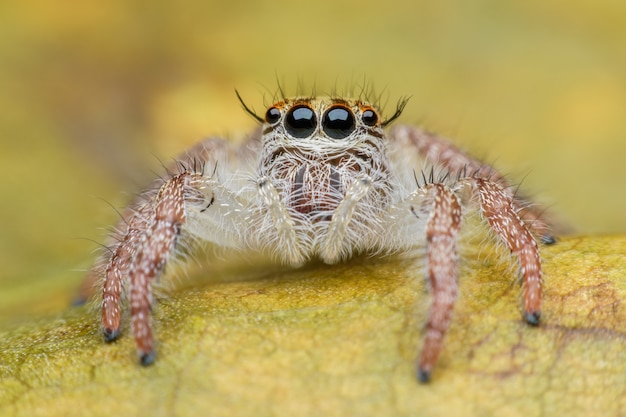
(156, 247)
(191, 199)
(142, 255)
(436, 208)
(117, 243)
(442, 229)
(116, 270)
(119, 246)
(437, 149)
(502, 214)
(432, 214)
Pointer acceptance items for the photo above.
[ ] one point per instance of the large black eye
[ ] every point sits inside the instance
(369, 117)
(300, 121)
(338, 122)
(272, 115)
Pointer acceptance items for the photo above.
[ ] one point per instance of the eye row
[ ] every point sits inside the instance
(338, 122)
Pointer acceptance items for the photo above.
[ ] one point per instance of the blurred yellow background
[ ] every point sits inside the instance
(94, 94)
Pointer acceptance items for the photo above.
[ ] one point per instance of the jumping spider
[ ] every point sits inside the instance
(320, 179)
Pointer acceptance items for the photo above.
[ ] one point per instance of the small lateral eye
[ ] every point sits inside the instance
(369, 117)
(338, 122)
(300, 121)
(272, 115)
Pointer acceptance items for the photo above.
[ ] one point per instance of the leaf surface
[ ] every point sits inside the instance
(342, 340)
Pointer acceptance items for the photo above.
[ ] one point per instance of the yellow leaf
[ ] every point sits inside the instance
(342, 340)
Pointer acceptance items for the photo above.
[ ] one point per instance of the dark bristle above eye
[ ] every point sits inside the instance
(300, 121)
(272, 115)
(338, 122)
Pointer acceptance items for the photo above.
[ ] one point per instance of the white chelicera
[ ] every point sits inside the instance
(320, 179)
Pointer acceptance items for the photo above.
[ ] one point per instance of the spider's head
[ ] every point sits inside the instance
(322, 122)
(313, 149)
(334, 120)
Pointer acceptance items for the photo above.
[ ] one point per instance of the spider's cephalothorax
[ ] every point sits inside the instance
(321, 179)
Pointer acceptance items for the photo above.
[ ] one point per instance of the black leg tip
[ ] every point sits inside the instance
(147, 358)
(423, 376)
(532, 318)
(548, 240)
(111, 334)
